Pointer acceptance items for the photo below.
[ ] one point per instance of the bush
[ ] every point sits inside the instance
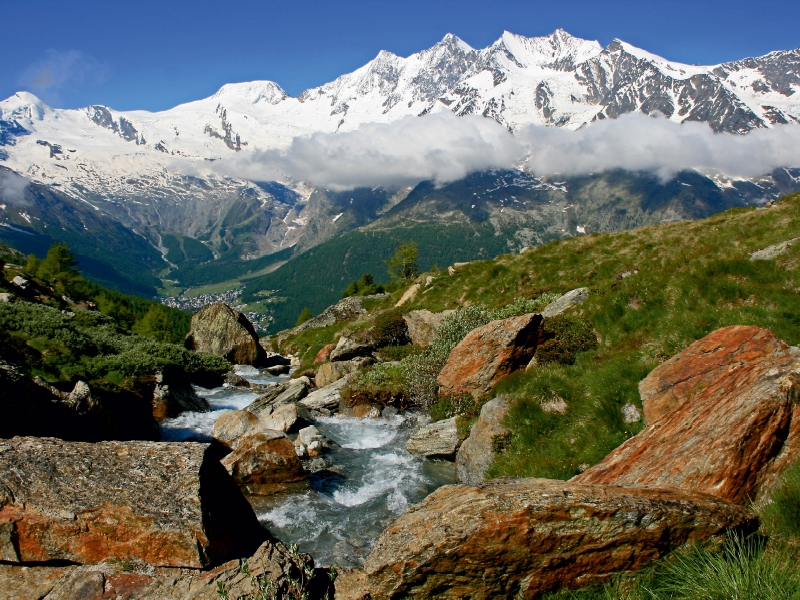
(566, 336)
(390, 329)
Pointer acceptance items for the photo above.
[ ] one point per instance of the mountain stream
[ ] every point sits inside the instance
(372, 479)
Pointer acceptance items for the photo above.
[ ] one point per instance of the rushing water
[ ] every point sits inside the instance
(372, 479)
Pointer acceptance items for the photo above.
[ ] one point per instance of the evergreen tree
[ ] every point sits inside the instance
(402, 266)
(305, 315)
(156, 324)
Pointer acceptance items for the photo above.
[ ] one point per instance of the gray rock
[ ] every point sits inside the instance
(331, 372)
(437, 440)
(476, 454)
(278, 369)
(631, 414)
(286, 417)
(163, 503)
(233, 425)
(568, 300)
(221, 330)
(360, 343)
(173, 394)
(423, 324)
(389, 411)
(235, 380)
(20, 282)
(327, 398)
(6, 297)
(774, 251)
(344, 310)
(288, 392)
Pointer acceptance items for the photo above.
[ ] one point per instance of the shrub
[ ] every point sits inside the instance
(566, 336)
(398, 353)
(391, 329)
(453, 405)
(304, 316)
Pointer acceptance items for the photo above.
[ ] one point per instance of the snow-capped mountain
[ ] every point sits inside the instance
(160, 172)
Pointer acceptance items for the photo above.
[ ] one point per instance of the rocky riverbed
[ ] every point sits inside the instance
(370, 480)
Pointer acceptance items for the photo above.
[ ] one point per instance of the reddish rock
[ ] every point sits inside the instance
(515, 538)
(723, 418)
(265, 463)
(168, 504)
(324, 354)
(489, 353)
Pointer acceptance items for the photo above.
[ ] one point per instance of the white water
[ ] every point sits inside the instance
(372, 480)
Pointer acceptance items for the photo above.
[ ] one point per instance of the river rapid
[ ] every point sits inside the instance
(372, 479)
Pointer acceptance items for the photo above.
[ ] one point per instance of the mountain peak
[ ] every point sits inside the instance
(23, 105)
(453, 40)
(253, 91)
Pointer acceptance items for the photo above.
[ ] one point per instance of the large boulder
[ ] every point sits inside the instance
(286, 418)
(168, 504)
(330, 372)
(288, 392)
(328, 397)
(722, 417)
(233, 425)
(173, 394)
(220, 330)
(568, 300)
(489, 353)
(360, 343)
(265, 463)
(477, 453)
(423, 325)
(436, 440)
(515, 538)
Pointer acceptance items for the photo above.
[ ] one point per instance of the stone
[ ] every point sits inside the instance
(476, 454)
(568, 300)
(6, 297)
(20, 282)
(774, 251)
(360, 343)
(489, 353)
(235, 380)
(408, 294)
(328, 373)
(328, 397)
(723, 418)
(168, 504)
(265, 463)
(360, 411)
(278, 370)
(274, 359)
(233, 425)
(351, 584)
(437, 440)
(314, 448)
(173, 394)
(423, 325)
(514, 538)
(345, 310)
(631, 414)
(324, 354)
(220, 330)
(286, 417)
(288, 392)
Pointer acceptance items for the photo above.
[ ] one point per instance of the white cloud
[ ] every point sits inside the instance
(12, 188)
(57, 70)
(444, 148)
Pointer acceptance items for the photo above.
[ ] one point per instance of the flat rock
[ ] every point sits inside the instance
(327, 397)
(286, 417)
(423, 325)
(360, 343)
(477, 452)
(774, 251)
(220, 330)
(722, 417)
(290, 391)
(168, 504)
(265, 463)
(568, 300)
(489, 353)
(515, 538)
(436, 440)
(331, 372)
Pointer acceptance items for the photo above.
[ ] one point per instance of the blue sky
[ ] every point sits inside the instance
(156, 54)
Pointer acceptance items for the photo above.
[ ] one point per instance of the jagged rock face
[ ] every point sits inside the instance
(723, 418)
(265, 463)
(524, 537)
(167, 504)
(489, 353)
(477, 452)
(220, 330)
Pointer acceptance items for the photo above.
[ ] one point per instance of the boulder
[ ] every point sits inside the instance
(324, 354)
(220, 330)
(173, 394)
(278, 370)
(774, 251)
(408, 294)
(437, 440)
(235, 380)
(515, 538)
(330, 372)
(265, 463)
(489, 353)
(274, 359)
(568, 300)
(360, 343)
(423, 324)
(327, 397)
(233, 425)
(286, 417)
(288, 392)
(168, 504)
(477, 452)
(723, 418)
(345, 310)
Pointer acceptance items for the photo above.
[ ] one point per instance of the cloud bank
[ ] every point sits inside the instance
(444, 148)
(12, 188)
